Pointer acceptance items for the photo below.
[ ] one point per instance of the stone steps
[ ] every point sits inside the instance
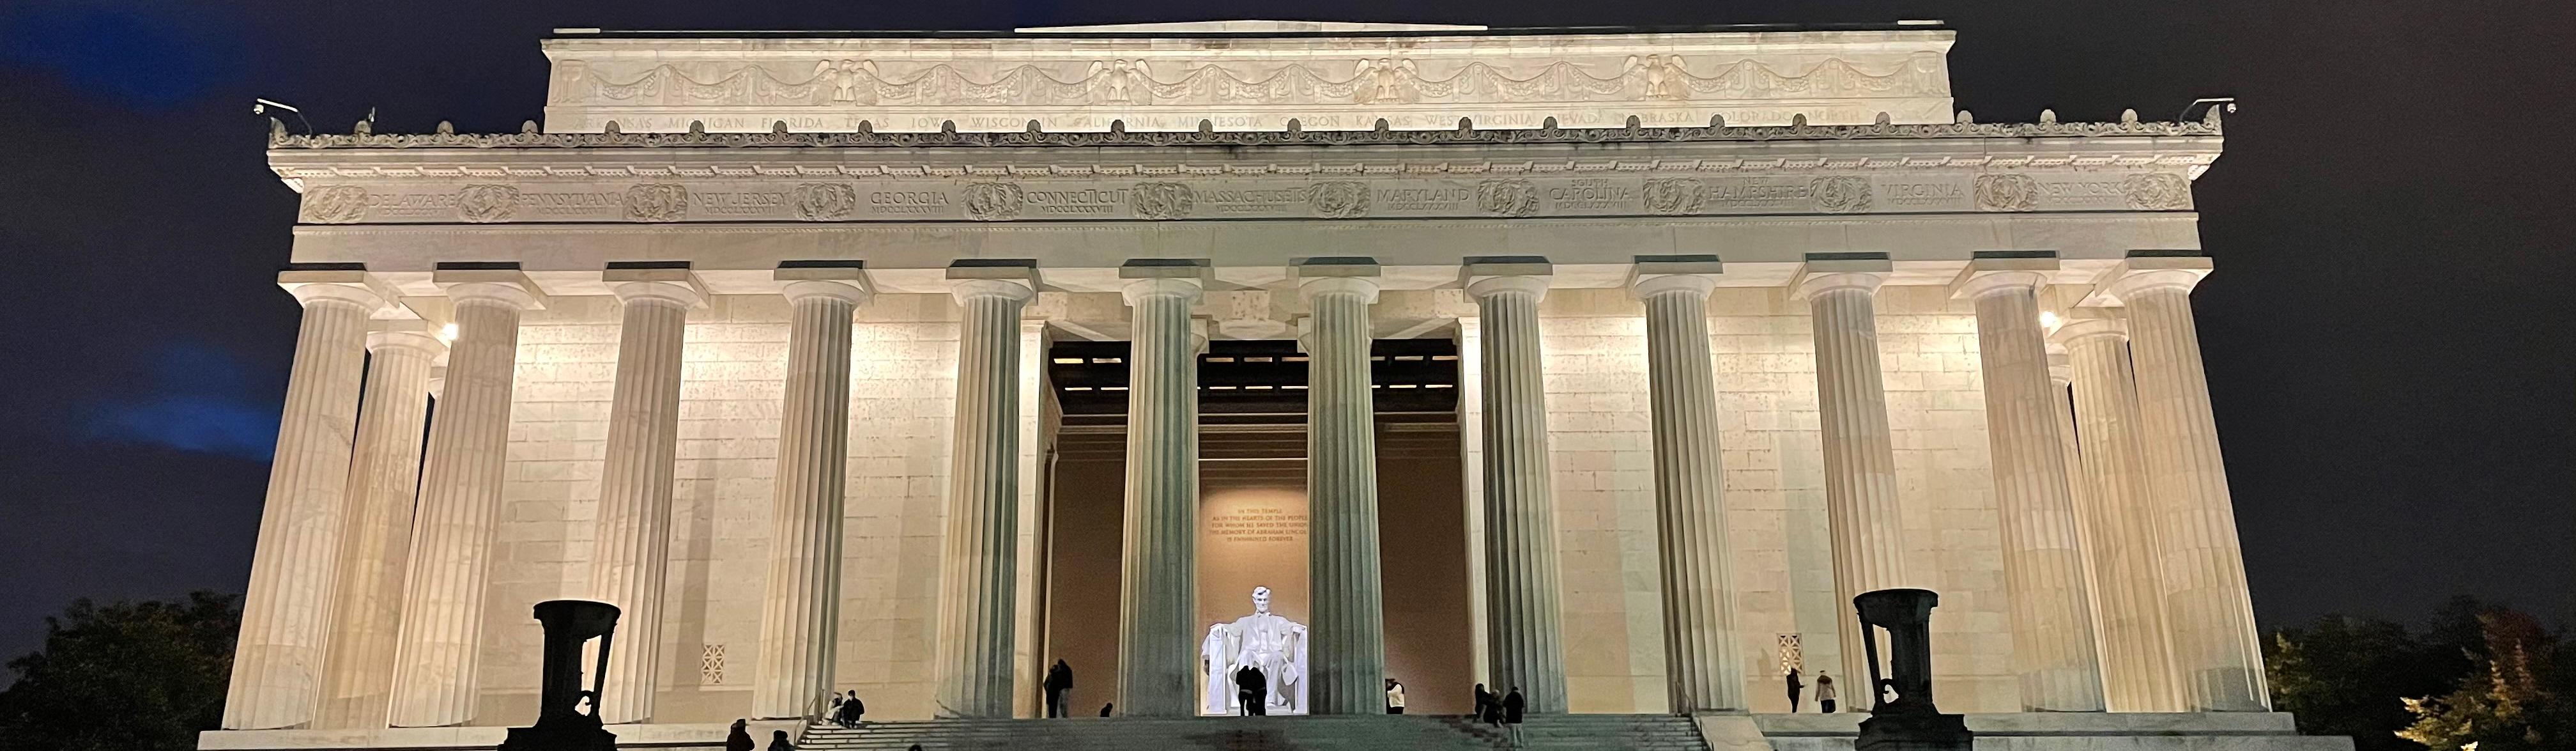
(1366, 733)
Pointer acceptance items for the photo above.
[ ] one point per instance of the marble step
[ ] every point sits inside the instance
(1408, 732)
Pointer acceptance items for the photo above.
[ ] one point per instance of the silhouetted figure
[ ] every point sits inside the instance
(1794, 688)
(1489, 708)
(1253, 689)
(1059, 681)
(1394, 697)
(1513, 706)
(1104, 708)
(1825, 693)
(849, 712)
(740, 738)
(778, 741)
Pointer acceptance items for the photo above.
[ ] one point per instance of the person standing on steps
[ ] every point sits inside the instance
(1794, 688)
(1059, 682)
(1394, 697)
(1513, 705)
(739, 739)
(1489, 708)
(1825, 693)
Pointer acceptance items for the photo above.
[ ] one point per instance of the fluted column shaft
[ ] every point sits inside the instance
(1349, 629)
(980, 552)
(1523, 640)
(1703, 660)
(2044, 577)
(2211, 616)
(631, 551)
(384, 481)
(2128, 598)
(285, 626)
(440, 651)
(801, 606)
(1860, 457)
(1157, 607)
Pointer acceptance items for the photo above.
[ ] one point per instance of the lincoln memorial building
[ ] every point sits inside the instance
(1608, 365)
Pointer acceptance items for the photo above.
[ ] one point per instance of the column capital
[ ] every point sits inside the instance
(350, 285)
(1005, 278)
(832, 279)
(1830, 272)
(507, 286)
(1165, 286)
(415, 340)
(1366, 287)
(1658, 275)
(2061, 367)
(1697, 285)
(2161, 270)
(1988, 275)
(676, 285)
(1486, 276)
(2079, 329)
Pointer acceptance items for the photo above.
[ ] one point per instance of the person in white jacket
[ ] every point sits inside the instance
(1394, 697)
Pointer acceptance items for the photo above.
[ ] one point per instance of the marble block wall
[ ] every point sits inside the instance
(1601, 447)
(903, 386)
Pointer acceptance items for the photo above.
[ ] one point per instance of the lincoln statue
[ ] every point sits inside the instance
(1264, 640)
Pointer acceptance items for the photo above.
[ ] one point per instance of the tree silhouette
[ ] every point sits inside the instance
(125, 676)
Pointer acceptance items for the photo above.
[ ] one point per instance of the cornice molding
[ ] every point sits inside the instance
(1465, 134)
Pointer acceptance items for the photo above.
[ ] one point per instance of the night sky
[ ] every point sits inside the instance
(2388, 333)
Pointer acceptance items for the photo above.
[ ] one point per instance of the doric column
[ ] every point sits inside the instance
(285, 624)
(384, 481)
(1157, 607)
(2216, 652)
(1703, 660)
(632, 549)
(801, 606)
(2044, 579)
(440, 650)
(980, 554)
(2120, 527)
(1860, 457)
(1349, 622)
(1524, 647)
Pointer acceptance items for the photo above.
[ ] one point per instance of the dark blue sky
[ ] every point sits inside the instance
(2387, 335)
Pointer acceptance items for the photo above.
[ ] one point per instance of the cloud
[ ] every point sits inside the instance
(200, 399)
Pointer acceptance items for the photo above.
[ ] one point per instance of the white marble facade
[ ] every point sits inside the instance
(1474, 232)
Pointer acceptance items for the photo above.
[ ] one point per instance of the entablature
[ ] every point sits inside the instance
(866, 177)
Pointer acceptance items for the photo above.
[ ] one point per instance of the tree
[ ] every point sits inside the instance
(2507, 701)
(2348, 676)
(125, 676)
